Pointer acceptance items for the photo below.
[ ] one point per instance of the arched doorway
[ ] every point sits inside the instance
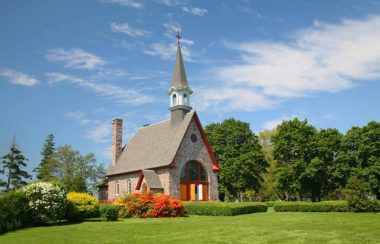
(194, 183)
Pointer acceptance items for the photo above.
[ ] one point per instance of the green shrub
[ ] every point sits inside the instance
(46, 201)
(358, 196)
(14, 211)
(224, 208)
(271, 203)
(108, 212)
(326, 206)
(81, 206)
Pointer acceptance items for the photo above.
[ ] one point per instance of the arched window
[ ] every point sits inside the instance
(194, 184)
(129, 186)
(174, 99)
(193, 171)
(185, 99)
(117, 188)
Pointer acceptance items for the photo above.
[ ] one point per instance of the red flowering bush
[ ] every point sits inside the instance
(166, 206)
(148, 205)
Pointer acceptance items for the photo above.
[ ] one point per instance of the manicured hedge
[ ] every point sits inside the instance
(326, 206)
(108, 212)
(14, 211)
(223, 208)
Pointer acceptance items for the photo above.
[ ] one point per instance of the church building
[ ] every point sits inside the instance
(171, 156)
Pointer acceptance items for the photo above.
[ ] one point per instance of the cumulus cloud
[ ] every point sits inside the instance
(117, 93)
(323, 58)
(126, 3)
(17, 77)
(127, 29)
(75, 58)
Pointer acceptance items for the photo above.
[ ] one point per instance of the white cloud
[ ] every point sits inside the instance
(171, 3)
(167, 50)
(127, 29)
(125, 3)
(75, 58)
(17, 78)
(229, 98)
(101, 133)
(78, 116)
(120, 94)
(323, 58)
(195, 10)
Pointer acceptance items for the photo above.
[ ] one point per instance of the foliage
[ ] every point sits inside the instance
(362, 156)
(324, 206)
(76, 172)
(108, 212)
(11, 167)
(224, 208)
(358, 195)
(81, 206)
(149, 205)
(268, 190)
(239, 154)
(46, 167)
(46, 201)
(14, 211)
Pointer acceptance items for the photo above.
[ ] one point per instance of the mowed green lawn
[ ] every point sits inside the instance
(270, 227)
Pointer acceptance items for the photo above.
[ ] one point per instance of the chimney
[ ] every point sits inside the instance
(117, 132)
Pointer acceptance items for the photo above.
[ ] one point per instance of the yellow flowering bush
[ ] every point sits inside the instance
(81, 206)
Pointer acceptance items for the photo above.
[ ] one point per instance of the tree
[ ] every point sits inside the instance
(74, 171)
(46, 167)
(294, 149)
(268, 190)
(240, 156)
(12, 163)
(361, 156)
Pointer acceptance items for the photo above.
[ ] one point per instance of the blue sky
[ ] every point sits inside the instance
(70, 67)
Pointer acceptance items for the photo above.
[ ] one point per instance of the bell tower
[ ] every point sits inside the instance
(180, 91)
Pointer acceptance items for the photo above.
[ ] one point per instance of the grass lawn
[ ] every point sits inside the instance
(270, 227)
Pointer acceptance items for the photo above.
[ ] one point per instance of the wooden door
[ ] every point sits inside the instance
(184, 192)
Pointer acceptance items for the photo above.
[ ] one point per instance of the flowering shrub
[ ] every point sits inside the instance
(147, 205)
(166, 206)
(81, 206)
(46, 201)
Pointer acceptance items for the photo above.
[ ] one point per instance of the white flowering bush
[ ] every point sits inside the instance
(46, 201)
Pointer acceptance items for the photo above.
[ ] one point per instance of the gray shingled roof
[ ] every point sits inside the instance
(179, 76)
(152, 146)
(152, 179)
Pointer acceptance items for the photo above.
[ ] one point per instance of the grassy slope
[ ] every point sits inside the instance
(269, 227)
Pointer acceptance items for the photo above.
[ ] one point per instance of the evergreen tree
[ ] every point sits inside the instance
(45, 169)
(11, 168)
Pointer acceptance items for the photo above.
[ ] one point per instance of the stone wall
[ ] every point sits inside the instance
(193, 151)
(123, 184)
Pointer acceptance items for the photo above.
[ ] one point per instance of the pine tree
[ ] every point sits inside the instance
(11, 168)
(45, 169)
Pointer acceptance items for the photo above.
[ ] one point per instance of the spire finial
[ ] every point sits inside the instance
(178, 37)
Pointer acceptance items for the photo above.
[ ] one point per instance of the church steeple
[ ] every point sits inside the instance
(180, 90)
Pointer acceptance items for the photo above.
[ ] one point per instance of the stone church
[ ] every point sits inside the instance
(172, 156)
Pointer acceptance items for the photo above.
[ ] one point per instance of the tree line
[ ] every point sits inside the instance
(295, 161)
(62, 165)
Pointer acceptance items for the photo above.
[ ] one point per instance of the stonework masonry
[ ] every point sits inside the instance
(197, 151)
(117, 133)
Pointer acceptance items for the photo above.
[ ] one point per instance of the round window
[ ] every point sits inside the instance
(193, 138)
